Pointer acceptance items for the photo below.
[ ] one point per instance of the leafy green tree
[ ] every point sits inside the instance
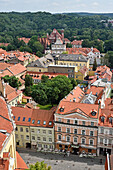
(28, 80)
(94, 65)
(108, 59)
(73, 82)
(39, 54)
(108, 45)
(68, 45)
(44, 78)
(13, 81)
(40, 166)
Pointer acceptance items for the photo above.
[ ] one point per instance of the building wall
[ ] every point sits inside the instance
(42, 137)
(10, 146)
(64, 133)
(21, 136)
(37, 69)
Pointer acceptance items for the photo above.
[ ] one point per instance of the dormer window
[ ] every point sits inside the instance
(61, 109)
(110, 120)
(93, 113)
(74, 99)
(102, 119)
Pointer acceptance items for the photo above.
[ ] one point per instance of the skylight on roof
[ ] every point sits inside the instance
(50, 123)
(18, 118)
(44, 123)
(33, 121)
(38, 122)
(23, 118)
(29, 119)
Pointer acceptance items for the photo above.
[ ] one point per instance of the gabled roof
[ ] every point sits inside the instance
(11, 93)
(72, 57)
(3, 66)
(70, 106)
(17, 69)
(95, 90)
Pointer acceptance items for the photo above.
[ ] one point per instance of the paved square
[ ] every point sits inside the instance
(59, 162)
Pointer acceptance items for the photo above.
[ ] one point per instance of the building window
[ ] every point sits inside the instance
(44, 123)
(44, 131)
(83, 132)
(102, 130)
(110, 120)
(50, 139)
(39, 145)
(105, 141)
(29, 119)
(23, 118)
(101, 140)
(90, 150)
(27, 130)
(76, 122)
(92, 123)
(59, 129)
(14, 117)
(91, 133)
(27, 137)
(38, 122)
(75, 131)
(59, 137)
(68, 130)
(110, 141)
(83, 122)
(50, 123)
(45, 146)
(44, 138)
(50, 132)
(83, 141)
(33, 137)
(110, 131)
(32, 130)
(38, 138)
(16, 129)
(68, 138)
(38, 131)
(18, 118)
(75, 140)
(91, 142)
(33, 121)
(21, 129)
(68, 120)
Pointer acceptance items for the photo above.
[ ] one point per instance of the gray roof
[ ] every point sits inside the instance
(91, 61)
(89, 98)
(42, 62)
(72, 57)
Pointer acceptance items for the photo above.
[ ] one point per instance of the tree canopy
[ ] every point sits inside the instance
(40, 166)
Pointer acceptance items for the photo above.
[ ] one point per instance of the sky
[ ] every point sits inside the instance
(57, 6)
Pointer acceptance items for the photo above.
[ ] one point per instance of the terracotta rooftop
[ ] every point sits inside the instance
(2, 140)
(30, 117)
(21, 165)
(95, 90)
(17, 69)
(76, 94)
(11, 93)
(83, 108)
(3, 66)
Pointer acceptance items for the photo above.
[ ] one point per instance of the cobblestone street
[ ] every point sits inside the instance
(59, 162)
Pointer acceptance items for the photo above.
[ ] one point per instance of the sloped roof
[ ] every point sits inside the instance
(17, 69)
(11, 93)
(76, 94)
(21, 165)
(70, 106)
(2, 140)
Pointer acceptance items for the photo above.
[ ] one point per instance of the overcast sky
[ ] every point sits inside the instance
(55, 6)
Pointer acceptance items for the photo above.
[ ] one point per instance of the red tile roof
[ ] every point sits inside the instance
(3, 109)
(76, 93)
(21, 165)
(26, 40)
(77, 42)
(71, 107)
(95, 90)
(11, 93)
(2, 140)
(22, 112)
(17, 69)
(3, 66)
(34, 114)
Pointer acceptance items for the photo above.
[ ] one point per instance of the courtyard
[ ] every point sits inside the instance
(62, 162)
